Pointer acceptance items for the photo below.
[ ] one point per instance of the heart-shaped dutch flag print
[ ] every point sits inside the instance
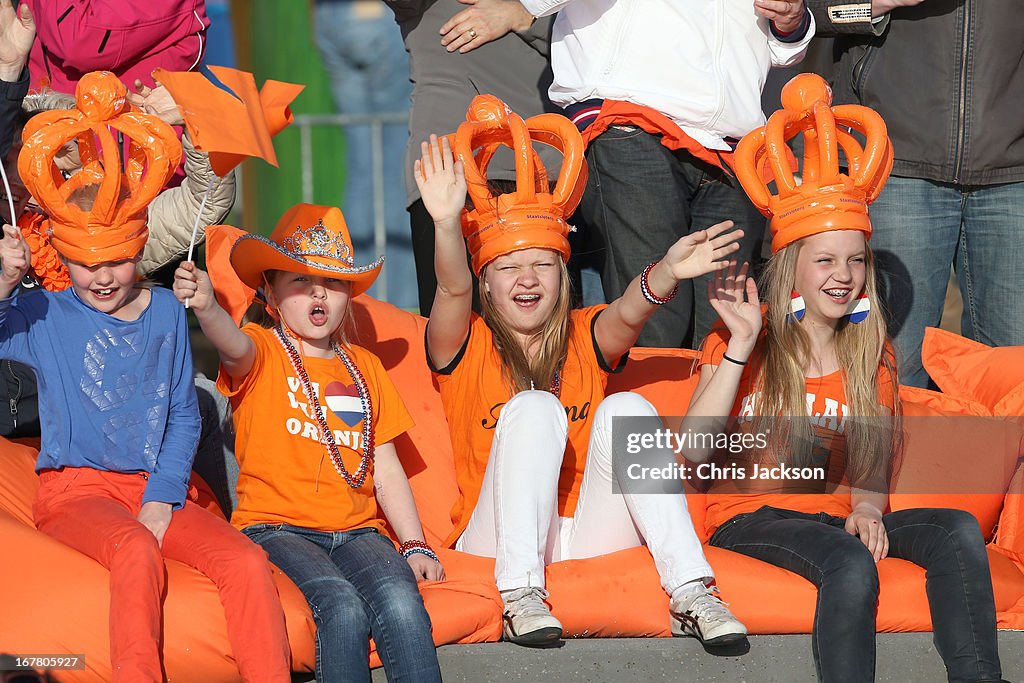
(344, 401)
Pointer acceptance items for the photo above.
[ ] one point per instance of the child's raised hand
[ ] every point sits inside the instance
(425, 568)
(702, 252)
(441, 181)
(192, 284)
(156, 517)
(734, 297)
(15, 257)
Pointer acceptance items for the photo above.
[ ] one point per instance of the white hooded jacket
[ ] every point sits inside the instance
(702, 63)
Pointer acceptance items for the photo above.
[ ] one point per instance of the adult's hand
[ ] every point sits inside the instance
(482, 22)
(17, 31)
(787, 15)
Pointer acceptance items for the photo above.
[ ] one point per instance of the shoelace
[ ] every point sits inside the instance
(709, 605)
(529, 603)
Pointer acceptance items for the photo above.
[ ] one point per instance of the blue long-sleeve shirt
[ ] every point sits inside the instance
(113, 395)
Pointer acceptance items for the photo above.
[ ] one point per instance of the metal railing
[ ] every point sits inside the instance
(306, 122)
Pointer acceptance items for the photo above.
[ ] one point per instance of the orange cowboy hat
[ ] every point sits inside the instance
(825, 199)
(532, 216)
(308, 239)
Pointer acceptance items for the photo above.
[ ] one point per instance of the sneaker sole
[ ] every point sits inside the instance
(542, 636)
(724, 639)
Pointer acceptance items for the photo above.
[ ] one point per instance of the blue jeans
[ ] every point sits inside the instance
(947, 543)
(921, 229)
(641, 197)
(365, 58)
(357, 585)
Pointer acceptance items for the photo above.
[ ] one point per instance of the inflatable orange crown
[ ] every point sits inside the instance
(825, 199)
(532, 216)
(115, 227)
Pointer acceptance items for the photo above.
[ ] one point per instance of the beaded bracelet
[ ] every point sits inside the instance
(410, 548)
(423, 551)
(645, 288)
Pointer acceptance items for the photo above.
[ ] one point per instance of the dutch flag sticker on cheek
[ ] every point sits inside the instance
(797, 307)
(344, 401)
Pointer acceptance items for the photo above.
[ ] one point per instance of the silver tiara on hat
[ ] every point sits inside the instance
(319, 240)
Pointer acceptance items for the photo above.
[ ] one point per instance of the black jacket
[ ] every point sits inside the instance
(946, 75)
(11, 96)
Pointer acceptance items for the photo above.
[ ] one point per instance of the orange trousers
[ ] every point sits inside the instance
(94, 512)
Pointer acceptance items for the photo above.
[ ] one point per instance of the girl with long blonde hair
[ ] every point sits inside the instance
(523, 384)
(813, 373)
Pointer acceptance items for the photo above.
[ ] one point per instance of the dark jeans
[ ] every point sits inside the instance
(947, 543)
(422, 227)
(357, 585)
(641, 197)
(215, 458)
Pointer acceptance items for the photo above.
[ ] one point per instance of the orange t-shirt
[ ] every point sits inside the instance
(287, 476)
(473, 391)
(828, 412)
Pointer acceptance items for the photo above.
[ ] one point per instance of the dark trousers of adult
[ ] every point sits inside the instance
(422, 226)
(357, 585)
(947, 543)
(641, 197)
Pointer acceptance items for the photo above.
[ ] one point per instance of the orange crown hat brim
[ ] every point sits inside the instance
(308, 239)
(824, 199)
(126, 244)
(515, 229)
(532, 216)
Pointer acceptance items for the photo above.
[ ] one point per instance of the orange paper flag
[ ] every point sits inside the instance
(232, 294)
(231, 127)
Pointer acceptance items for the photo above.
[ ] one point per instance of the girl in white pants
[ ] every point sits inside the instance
(523, 384)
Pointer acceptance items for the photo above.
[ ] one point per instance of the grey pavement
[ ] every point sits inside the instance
(902, 657)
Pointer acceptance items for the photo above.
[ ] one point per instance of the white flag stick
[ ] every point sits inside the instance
(195, 227)
(10, 199)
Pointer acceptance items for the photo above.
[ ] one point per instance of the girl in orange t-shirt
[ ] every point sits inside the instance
(315, 417)
(824, 360)
(523, 386)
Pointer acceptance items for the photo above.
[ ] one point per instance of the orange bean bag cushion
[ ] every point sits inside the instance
(962, 368)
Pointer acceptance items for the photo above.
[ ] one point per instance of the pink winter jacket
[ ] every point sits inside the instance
(128, 37)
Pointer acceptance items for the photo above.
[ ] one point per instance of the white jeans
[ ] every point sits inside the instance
(516, 520)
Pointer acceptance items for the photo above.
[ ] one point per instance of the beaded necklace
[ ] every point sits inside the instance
(326, 435)
(556, 384)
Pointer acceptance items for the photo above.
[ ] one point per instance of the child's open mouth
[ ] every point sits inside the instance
(527, 301)
(318, 315)
(838, 294)
(103, 294)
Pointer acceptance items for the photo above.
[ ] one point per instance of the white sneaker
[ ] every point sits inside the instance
(702, 614)
(527, 620)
